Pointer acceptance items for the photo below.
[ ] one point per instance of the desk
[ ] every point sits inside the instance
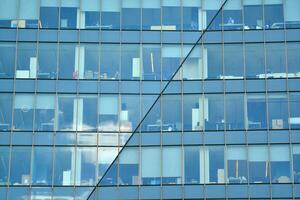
(232, 26)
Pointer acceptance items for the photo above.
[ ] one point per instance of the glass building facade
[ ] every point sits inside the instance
(149, 99)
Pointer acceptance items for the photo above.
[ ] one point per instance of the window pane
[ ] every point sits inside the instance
(7, 60)
(90, 14)
(130, 112)
(172, 160)
(171, 19)
(131, 14)
(106, 156)
(108, 113)
(110, 15)
(192, 161)
(4, 157)
(171, 103)
(296, 161)
(49, 13)
(23, 111)
(69, 15)
(26, 61)
(195, 65)
(47, 61)
(211, 7)
(42, 166)
(291, 13)
(87, 113)
(276, 67)
(280, 164)
(151, 14)
(278, 111)
(232, 15)
(214, 61)
(293, 59)
(192, 15)
(152, 121)
(8, 13)
(151, 165)
(151, 62)
(215, 169)
(294, 119)
(67, 108)
(233, 61)
(67, 60)
(171, 56)
(255, 60)
(90, 56)
(193, 109)
(110, 62)
(253, 14)
(5, 111)
(259, 166)
(273, 10)
(64, 166)
(29, 13)
(256, 111)
(129, 167)
(20, 165)
(215, 117)
(86, 166)
(237, 164)
(131, 62)
(44, 112)
(235, 111)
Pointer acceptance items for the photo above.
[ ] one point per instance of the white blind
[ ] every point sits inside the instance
(70, 3)
(111, 5)
(252, 2)
(292, 10)
(171, 3)
(236, 153)
(151, 4)
(211, 4)
(273, 1)
(131, 4)
(108, 105)
(45, 102)
(90, 5)
(279, 153)
(107, 154)
(196, 53)
(171, 51)
(29, 9)
(172, 162)
(8, 9)
(24, 101)
(296, 149)
(258, 153)
(233, 5)
(191, 3)
(129, 156)
(50, 3)
(151, 162)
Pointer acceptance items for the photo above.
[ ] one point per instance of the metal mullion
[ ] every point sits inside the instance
(268, 163)
(13, 106)
(289, 112)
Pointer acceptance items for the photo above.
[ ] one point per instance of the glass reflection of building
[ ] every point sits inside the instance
(78, 76)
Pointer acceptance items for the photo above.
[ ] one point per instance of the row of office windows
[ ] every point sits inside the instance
(111, 113)
(150, 15)
(150, 165)
(149, 62)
